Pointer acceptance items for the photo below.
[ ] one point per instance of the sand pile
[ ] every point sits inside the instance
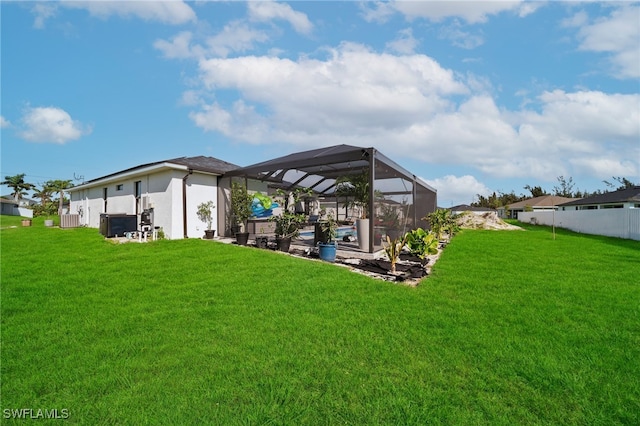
(488, 220)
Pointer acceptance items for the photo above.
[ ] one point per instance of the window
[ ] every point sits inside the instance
(104, 199)
(613, 206)
(119, 187)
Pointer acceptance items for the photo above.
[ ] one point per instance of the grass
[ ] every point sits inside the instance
(511, 328)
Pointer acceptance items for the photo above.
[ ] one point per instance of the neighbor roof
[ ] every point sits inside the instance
(542, 201)
(621, 196)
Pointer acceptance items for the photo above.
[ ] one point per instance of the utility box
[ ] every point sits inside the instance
(117, 224)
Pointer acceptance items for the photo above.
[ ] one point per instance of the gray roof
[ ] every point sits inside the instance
(622, 196)
(199, 163)
(205, 164)
(328, 163)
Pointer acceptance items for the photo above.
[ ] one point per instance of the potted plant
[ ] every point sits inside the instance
(240, 211)
(356, 190)
(205, 214)
(327, 247)
(288, 223)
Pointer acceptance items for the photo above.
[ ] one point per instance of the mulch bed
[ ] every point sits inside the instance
(409, 270)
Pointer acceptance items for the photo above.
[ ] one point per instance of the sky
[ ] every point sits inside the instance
(471, 96)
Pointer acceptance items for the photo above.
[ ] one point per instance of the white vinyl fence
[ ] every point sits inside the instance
(621, 223)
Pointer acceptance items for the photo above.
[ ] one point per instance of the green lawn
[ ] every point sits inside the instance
(511, 328)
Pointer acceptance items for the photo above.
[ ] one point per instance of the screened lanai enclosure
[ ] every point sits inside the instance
(400, 199)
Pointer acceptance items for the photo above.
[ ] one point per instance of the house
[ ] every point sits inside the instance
(542, 203)
(170, 190)
(628, 198)
(10, 207)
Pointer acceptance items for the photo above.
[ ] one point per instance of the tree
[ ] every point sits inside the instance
(623, 181)
(44, 194)
(566, 187)
(536, 191)
(18, 185)
(356, 190)
(59, 186)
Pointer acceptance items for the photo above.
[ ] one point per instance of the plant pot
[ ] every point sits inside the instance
(26, 222)
(327, 251)
(242, 238)
(48, 223)
(262, 242)
(209, 234)
(362, 229)
(283, 244)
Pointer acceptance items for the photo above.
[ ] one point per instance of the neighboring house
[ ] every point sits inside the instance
(542, 203)
(22, 202)
(171, 190)
(628, 198)
(9, 207)
(462, 208)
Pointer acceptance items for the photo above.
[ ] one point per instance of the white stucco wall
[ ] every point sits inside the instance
(162, 190)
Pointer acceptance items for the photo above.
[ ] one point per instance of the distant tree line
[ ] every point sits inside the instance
(45, 192)
(565, 188)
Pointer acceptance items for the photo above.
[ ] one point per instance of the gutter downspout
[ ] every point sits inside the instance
(184, 202)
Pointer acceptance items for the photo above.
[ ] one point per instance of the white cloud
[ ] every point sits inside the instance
(456, 190)
(172, 12)
(4, 123)
(43, 11)
(265, 11)
(422, 110)
(460, 38)
(405, 43)
(179, 47)
(617, 34)
(51, 124)
(236, 36)
(469, 11)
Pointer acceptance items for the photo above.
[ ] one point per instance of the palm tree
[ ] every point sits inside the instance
(18, 185)
(355, 189)
(44, 194)
(59, 186)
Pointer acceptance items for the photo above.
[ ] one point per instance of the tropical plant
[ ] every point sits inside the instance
(355, 188)
(328, 226)
(288, 223)
(44, 194)
(18, 185)
(240, 204)
(393, 250)
(205, 213)
(442, 221)
(421, 243)
(59, 186)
